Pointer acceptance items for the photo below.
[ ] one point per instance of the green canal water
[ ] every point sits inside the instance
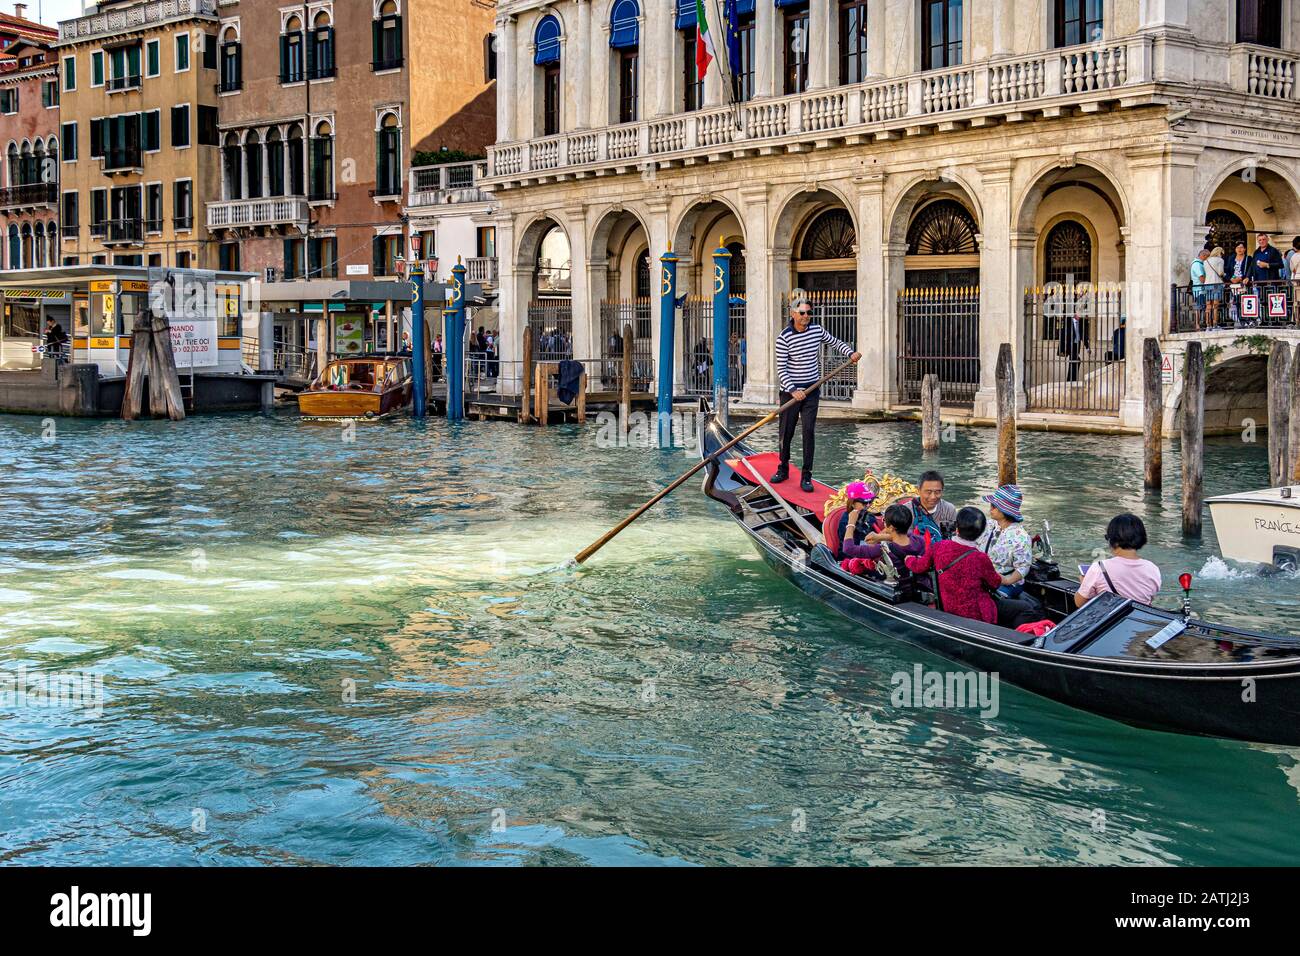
(371, 652)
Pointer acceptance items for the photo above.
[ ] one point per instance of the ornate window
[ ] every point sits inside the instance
(386, 38)
(830, 236)
(546, 41)
(1226, 230)
(943, 228)
(795, 48)
(1067, 257)
(291, 52)
(624, 37)
(388, 156)
(232, 62)
(322, 163)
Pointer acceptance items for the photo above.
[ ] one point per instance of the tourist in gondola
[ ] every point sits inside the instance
(798, 369)
(1124, 572)
(930, 512)
(1006, 541)
(966, 575)
(896, 537)
(856, 522)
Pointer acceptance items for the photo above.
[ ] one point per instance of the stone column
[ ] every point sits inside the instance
(1004, 27)
(507, 60)
(1156, 14)
(1163, 216)
(998, 322)
(600, 111)
(528, 109)
(515, 286)
(658, 55)
(823, 44)
(657, 224)
(579, 292)
(767, 49)
(761, 297)
(876, 38)
(876, 319)
(573, 61)
(586, 62)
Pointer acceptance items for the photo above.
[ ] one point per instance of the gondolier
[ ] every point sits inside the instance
(798, 368)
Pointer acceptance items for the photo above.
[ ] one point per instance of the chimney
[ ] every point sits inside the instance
(20, 11)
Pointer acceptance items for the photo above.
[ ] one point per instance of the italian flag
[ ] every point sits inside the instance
(704, 52)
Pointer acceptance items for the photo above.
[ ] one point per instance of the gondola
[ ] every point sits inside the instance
(1142, 665)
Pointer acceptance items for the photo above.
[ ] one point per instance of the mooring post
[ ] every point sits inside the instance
(454, 331)
(526, 381)
(1293, 444)
(930, 400)
(1279, 413)
(625, 381)
(1153, 408)
(667, 345)
(721, 331)
(1193, 438)
(419, 399)
(1006, 387)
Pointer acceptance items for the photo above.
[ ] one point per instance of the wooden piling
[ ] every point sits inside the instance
(526, 382)
(625, 382)
(930, 402)
(542, 398)
(164, 366)
(1153, 411)
(1279, 413)
(1193, 438)
(137, 367)
(1293, 473)
(151, 358)
(1006, 390)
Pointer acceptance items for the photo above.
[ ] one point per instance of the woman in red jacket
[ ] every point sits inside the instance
(966, 575)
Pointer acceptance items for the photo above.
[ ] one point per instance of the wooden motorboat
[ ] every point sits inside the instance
(1132, 662)
(366, 387)
(1262, 527)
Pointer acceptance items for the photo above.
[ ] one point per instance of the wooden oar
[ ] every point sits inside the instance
(591, 549)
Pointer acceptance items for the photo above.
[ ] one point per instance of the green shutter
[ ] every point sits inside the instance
(97, 68)
(151, 54)
(376, 50)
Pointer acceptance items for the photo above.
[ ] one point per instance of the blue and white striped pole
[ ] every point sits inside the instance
(721, 331)
(454, 343)
(667, 348)
(419, 401)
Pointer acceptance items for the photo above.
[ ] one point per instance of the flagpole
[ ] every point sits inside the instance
(727, 71)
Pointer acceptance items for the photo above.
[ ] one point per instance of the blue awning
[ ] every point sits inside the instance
(624, 32)
(744, 7)
(547, 40)
(792, 3)
(685, 14)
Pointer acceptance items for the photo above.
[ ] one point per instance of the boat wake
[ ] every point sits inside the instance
(1217, 569)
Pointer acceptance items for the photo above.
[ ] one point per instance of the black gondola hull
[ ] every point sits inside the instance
(1254, 700)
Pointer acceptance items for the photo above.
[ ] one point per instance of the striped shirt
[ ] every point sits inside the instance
(799, 355)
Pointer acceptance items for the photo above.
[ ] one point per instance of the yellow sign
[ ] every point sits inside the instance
(108, 305)
(33, 294)
(128, 285)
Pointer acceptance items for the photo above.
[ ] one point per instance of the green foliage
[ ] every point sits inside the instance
(1212, 354)
(1255, 344)
(436, 157)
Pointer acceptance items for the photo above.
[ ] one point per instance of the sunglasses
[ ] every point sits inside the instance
(805, 312)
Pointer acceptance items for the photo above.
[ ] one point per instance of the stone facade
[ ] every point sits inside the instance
(29, 152)
(1021, 165)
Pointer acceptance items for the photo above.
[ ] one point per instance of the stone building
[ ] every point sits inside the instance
(322, 109)
(139, 132)
(942, 176)
(29, 141)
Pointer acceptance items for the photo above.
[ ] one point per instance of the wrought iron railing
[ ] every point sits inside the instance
(1253, 305)
(939, 334)
(1076, 341)
(552, 323)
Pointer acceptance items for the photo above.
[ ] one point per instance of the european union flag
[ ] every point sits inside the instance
(732, 17)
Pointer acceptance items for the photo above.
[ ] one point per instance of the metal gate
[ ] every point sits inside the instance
(837, 312)
(939, 333)
(615, 315)
(1074, 348)
(697, 346)
(552, 323)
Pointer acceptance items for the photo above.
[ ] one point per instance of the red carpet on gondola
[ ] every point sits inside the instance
(766, 465)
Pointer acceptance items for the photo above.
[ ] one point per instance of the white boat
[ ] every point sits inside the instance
(1259, 526)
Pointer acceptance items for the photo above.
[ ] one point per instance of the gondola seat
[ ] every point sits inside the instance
(831, 531)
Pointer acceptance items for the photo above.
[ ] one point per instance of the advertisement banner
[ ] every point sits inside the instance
(194, 341)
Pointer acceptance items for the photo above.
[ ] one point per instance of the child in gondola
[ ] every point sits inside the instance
(895, 536)
(857, 521)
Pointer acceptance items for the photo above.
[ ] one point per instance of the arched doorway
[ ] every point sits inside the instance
(619, 281)
(705, 227)
(827, 253)
(550, 308)
(1067, 254)
(1224, 229)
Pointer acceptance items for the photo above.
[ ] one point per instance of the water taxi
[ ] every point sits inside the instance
(365, 387)
(1261, 527)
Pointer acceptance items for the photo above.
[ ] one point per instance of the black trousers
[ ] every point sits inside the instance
(804, 413)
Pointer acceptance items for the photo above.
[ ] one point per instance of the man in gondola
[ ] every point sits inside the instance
(798, 369)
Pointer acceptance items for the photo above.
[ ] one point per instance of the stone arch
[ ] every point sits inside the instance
(1269, 202)
(926, 187)
(1236, 391)
(695, 236)
(619, 237)
(1090, 173)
